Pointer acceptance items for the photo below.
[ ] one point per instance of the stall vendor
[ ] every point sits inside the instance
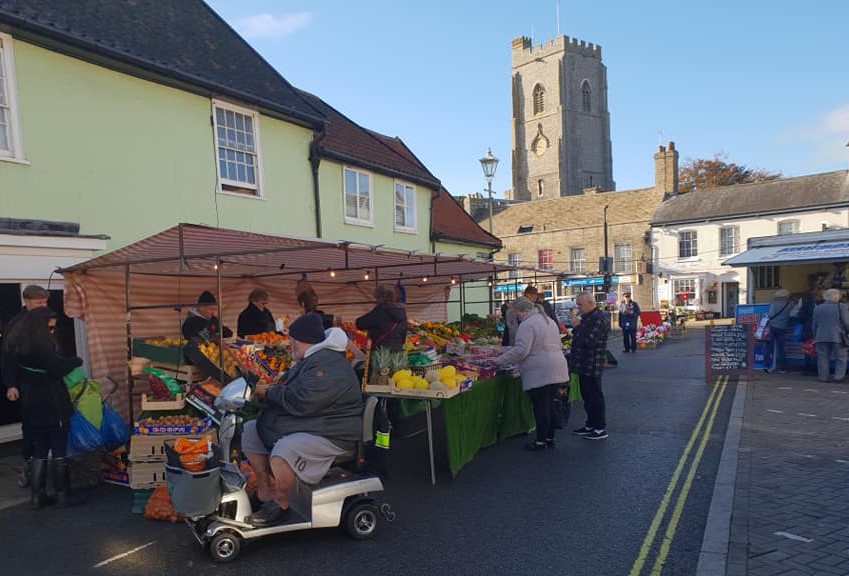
(256, 317)
(201, 322)
(308, 301)
(386, 324)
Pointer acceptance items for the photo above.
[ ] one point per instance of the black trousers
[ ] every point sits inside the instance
(593, 400)
(542, 400)
(629, 338)
(49, 439)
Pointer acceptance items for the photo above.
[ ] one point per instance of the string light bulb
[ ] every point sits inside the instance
(332, 273)
(365, 276)
(453, 280)
(424, 279)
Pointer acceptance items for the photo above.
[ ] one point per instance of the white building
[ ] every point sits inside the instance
(694, 233)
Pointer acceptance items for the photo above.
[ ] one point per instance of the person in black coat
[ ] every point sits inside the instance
(386, 324)
(46, 406)
(34, 297)
(308, 301)
(256, 317)
(201, 322)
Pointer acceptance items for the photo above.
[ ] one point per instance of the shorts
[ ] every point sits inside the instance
(309, 456)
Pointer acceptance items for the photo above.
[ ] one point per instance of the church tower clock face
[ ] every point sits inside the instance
(540, 145)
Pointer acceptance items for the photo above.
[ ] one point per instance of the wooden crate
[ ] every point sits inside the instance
(182, 372)
(144, 448)
(148, 405)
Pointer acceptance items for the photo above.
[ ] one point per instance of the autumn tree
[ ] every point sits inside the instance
(702, 174)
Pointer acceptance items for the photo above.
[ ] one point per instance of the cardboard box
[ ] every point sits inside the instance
(160, 430)
(146, 448)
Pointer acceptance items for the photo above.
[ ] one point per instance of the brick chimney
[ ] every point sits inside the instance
(666, 169)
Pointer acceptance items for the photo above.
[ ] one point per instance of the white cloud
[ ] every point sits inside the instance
(271, 26)
(825, 138)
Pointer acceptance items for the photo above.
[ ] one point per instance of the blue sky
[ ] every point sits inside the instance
(765, 82)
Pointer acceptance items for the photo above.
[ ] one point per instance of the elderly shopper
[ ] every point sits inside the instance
(311, 418)
(256, 317)
(543, 367)
(588, 357)
(779, 321)
(830, 326)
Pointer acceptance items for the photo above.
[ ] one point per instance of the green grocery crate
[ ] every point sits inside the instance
(171, 354)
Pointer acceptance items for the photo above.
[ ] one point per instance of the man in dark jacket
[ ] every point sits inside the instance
(315, 416)
(256, 317)
(533, 294)
(201, 322)
(587, 359)
(386, 324)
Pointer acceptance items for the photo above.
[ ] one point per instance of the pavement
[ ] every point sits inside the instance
(779, 504)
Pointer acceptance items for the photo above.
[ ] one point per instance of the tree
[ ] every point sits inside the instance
(702, 174)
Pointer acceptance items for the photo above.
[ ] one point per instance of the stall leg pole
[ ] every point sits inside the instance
(462, 303)
(430, 441)
(129, 338)
(220, 321)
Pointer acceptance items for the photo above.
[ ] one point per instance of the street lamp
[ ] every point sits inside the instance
(489, 163)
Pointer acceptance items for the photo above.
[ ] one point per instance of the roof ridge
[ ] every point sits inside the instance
(762, 182)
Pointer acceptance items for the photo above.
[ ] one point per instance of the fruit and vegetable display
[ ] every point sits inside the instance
(265, 364)
(214, 354)
(269, 338)
(162, 387)
(445, 378)
(172, 424)
(166, 342)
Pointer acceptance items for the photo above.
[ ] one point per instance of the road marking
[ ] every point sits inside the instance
(839, 418)
(810, 389)
(125, 554)
(792, 536)
(806, 415)
(842, 461)
(648, 541)
(785, 387)
(685, 489)
(776, 411)
(807, 455)
(839, 392)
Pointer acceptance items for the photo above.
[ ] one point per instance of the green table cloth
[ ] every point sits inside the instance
(491, 411)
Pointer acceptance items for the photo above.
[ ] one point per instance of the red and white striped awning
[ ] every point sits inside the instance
(193, 250)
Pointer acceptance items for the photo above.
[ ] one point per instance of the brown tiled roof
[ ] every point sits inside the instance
(453, 224)
(812, 192)
(347, 141)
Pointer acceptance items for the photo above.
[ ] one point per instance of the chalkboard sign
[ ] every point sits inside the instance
(728, 350)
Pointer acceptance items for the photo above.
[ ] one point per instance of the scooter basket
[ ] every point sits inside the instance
(193, 494)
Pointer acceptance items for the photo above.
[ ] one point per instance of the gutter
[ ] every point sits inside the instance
(438, 236)
(315, 163)
(333, 155)
(723, 217)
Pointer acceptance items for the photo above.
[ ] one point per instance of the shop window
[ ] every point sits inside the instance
(684, 291)
(729, 240)
(578, 260)
(688, 244)
(622, 258)
(767, 277)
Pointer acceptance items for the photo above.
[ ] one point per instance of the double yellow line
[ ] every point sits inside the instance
(708, 415)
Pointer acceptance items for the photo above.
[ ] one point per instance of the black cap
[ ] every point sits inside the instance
(308, 329)
(206, 297)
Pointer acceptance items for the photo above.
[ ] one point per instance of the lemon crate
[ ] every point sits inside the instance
(417, 393)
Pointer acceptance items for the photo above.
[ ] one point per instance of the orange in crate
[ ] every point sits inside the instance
(193, 453)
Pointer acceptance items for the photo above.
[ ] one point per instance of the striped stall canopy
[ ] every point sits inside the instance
(146, 288)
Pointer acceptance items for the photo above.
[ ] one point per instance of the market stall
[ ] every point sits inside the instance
(133, 301)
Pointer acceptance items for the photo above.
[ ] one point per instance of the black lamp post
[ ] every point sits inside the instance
(489, 163)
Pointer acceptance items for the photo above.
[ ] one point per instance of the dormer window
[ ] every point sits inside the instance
(525, 228)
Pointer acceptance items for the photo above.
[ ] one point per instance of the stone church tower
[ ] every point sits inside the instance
(561, 125)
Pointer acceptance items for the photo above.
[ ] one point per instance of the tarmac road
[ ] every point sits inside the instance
(587, 507)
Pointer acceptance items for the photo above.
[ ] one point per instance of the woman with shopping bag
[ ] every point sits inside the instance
(46, 406)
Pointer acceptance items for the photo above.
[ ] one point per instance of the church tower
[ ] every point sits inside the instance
(561, 125)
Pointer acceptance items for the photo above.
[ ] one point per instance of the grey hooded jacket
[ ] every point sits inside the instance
(321, 396)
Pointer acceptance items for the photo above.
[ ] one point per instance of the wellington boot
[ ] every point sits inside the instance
(38, 484)
(61, 471)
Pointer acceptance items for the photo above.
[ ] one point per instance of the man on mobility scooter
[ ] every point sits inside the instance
(308, 421)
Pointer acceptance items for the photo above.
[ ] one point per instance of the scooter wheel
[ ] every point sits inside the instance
(225, 546)
(361, 521)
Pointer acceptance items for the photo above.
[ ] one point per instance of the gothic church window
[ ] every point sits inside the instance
(539, 99)
(586, 96)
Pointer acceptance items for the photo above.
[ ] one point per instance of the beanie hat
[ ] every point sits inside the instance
(308, 329)
(206, 297)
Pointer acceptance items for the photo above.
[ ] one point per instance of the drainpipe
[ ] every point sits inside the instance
(315, 162)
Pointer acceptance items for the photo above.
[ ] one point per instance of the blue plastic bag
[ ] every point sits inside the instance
(112, 428)
(83, 436)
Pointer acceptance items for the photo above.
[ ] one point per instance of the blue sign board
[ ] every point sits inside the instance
(589, 281)
(750, 315)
